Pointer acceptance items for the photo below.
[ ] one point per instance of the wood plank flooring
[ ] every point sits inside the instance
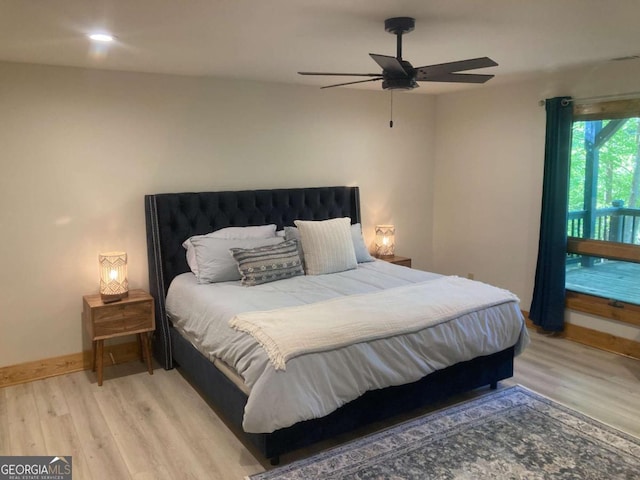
(611, 279)
(138, 426)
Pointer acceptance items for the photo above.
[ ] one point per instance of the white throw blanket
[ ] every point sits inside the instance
(289, 332)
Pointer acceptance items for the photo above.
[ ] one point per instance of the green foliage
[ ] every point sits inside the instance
(618, 158)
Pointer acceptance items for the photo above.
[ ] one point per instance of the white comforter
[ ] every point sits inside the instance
(315, 384)
(286, 333)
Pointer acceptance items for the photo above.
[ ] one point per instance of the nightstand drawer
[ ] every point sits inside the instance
(114, 326)
(122, 312)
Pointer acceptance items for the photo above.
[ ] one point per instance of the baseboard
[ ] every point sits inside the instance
(75, 362)
(595, 339)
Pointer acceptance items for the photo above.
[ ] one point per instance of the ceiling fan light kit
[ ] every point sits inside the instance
(399, 74)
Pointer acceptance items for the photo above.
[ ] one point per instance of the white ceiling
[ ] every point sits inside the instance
(270, 40)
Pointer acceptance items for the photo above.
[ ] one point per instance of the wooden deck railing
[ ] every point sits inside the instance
(614, 224)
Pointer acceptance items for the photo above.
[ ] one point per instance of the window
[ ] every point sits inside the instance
(603, 252)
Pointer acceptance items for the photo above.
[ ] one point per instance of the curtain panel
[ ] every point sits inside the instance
(547, 306)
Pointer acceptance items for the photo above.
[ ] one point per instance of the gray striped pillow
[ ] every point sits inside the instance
(269, 263)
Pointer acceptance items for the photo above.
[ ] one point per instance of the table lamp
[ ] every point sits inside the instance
(114, 285)
(385, 240)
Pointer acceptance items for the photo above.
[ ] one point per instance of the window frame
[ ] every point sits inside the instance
(595, 305)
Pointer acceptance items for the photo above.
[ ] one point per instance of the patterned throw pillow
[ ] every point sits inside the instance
(269, 263)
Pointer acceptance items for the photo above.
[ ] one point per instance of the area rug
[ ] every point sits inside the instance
(511, 433)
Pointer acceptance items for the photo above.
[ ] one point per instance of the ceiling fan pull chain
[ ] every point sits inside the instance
(391, 120)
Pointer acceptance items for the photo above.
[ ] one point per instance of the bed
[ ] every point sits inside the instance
(174, 217)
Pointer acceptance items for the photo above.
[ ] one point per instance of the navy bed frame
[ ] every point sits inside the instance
(171, 218)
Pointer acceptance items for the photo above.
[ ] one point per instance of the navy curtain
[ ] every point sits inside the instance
(547, 305)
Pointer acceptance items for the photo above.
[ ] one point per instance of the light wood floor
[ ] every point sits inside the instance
(138, 426)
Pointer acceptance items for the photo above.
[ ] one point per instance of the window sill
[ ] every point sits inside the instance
(619, 311)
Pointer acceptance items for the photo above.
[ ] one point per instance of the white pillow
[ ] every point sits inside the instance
(214, 262)
(327, 245)
(236, 233)
(259, 231)
(292, 233)
(362, 253)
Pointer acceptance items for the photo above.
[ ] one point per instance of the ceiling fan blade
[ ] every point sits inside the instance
(389, 64)
(341, 74)
(450, 67)
(457, 78)
(351, 83)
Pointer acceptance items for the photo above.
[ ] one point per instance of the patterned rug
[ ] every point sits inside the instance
(507, 434)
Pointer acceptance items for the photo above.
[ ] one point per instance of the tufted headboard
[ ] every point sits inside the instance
(171, 218)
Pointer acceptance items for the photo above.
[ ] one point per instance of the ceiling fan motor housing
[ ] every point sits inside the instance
(406, 83)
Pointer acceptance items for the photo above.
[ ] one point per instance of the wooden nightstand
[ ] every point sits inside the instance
(395, 259)
(131, 315)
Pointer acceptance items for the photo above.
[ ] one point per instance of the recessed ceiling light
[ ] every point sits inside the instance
(101, 37)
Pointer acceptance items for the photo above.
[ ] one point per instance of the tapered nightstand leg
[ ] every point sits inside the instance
(100, 360)
(146, 350)
(94, 346)
(141, 346)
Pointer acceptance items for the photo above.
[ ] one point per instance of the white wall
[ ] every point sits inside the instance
(488, 177)
(80, 148)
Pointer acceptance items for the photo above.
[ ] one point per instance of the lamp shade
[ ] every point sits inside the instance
(114, 285)
(385, 240)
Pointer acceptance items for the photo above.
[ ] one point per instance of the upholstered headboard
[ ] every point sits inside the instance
(171, 218)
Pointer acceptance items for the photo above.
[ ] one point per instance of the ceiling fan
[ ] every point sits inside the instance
(399, 74)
